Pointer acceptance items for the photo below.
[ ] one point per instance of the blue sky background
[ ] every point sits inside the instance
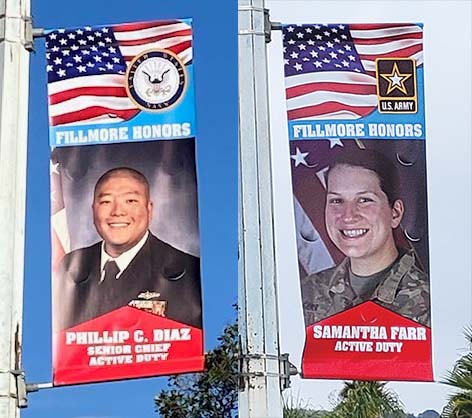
(215, 62)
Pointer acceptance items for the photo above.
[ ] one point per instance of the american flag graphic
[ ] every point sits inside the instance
(330, 68)
(86, 67)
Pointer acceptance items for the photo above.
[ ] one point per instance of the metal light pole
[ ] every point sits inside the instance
(260, 387)
(15, 44)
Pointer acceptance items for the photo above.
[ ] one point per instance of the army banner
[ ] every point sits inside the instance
(124, 217)
(355, 106)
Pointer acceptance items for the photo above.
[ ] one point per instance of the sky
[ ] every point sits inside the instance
(215, 63)
(447, 52)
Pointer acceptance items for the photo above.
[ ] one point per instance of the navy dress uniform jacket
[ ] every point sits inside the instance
(158, 267)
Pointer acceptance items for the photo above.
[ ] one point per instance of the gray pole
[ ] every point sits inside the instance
(15, 43)
(260, 389)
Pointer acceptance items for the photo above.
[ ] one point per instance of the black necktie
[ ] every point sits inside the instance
(111, 270)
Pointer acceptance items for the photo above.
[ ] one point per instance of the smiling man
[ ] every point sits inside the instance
(362, 209)
(130, 266)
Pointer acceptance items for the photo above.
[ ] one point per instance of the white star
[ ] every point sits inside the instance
(299, 35)
(321, 48)
(107, 39)
(77, 58)
(299, 157)
(90, 38)
(49, 68)
(314, 54)
(53, 36)
(345, 63)
(340, 51)
(327, 60)
(311, 42)
(99, 34)
(97, 58)
(63, 41)
(291, 42)
(61, 72)
(109, 65)
(326, 33)
(88, 28)
(308, 30)
(337, 40)
(80, 32)
(298, 67)
(94, 48)
(333, 55)
(62, 31)
(85, 52)
(351, 57)
(55, 48)
(341, 26)
(115, 59)
(294, 55)
(286, 62)
(290, 29)
(65, 52)
(101, 43)
(74, 47)
(319, 37)
(302, 47)
(330, 44)
(82, 42)
(343, 36)
(53, 168)
(90, 64)
(347, 47)
(317, 27)
(334, 30)
(105, 30)
(335, 141)
(69, 64)
(58, 61)
(318, 64)
(82, 68)
(71, 36)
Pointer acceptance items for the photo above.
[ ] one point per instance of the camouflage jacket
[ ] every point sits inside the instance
(404, 290)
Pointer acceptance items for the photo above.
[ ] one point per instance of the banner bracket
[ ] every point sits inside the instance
(286, 368)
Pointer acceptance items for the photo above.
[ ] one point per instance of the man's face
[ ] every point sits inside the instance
(121, 212)
(358, 216)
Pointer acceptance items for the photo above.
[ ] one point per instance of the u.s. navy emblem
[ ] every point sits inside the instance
(396, 85)
(156, 80)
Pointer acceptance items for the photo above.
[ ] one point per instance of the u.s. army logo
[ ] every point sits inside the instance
(156, 80)
(396, 85)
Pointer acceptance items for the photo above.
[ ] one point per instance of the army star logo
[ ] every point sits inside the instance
(396, 85)
(396, 80)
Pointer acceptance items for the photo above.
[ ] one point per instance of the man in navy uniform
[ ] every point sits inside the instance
(130, 266)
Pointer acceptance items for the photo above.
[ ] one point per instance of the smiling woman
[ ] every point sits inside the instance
(363, 208)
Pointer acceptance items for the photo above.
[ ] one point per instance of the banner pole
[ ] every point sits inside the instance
(260, 387)
(16, 42)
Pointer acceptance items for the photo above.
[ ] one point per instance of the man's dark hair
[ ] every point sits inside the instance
(116, 172)
(373, 161)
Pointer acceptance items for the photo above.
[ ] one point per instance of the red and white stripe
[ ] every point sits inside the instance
(330, 95)
(387, 41)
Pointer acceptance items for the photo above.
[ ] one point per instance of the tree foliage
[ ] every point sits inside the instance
(210, 394)
(460, 403)
(367, 400)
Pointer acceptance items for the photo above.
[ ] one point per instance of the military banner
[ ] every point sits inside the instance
(124, 217)
(355, 106)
